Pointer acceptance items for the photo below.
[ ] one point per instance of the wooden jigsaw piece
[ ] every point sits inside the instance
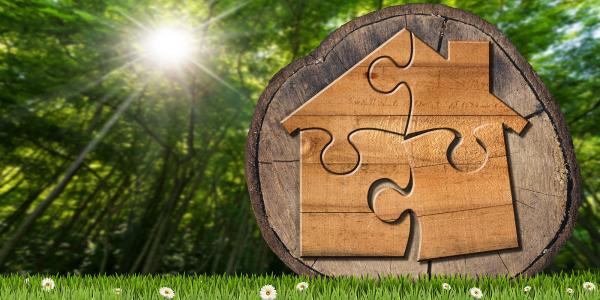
(335, 217)
(458, 212)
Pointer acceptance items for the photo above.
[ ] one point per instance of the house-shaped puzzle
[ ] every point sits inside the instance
(406, 130)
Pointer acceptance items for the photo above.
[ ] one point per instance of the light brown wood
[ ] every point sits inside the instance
(462, 231)
(339, 234)
(541, 160)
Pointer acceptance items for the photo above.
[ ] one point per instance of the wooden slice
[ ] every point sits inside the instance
(544, 177)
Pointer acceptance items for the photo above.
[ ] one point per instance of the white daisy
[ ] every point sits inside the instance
(570, 291)
(526, 289)
(47, 284)
(302, 286)
(268, 292)
(476, 292)
(446, 286)
(118, 291)
(166, 292)
(589, 286)
(26, 281)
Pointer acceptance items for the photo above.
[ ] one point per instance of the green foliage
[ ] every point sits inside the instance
(164, 189)
(248, 287)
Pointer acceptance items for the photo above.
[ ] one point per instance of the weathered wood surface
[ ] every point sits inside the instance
(542, 164)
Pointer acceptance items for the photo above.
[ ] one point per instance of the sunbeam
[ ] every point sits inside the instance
(221, 16)
(134, 21)
(217, 78)
(93, 83)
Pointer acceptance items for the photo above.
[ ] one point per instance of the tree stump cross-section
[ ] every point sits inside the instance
(349, 139)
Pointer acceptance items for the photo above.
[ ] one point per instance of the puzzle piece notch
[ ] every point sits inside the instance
(340, 157)
(378, 76)
(467, 153)
(471, 152)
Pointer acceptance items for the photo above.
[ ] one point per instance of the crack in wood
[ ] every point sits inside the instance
(537, 192)
(503, 263)
(442, 32)
(535, 113)
(525, 204)
(429, 264)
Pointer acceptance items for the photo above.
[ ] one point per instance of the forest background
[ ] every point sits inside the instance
(110, 164)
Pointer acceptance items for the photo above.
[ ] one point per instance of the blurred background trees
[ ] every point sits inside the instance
(109, 164)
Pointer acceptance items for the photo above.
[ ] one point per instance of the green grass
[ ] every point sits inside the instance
(247, 287)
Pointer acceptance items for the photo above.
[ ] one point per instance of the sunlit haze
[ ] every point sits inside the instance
(168, 46)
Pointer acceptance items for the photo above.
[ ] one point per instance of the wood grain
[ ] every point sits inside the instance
(344, 234)
(542, 161)
(459, 232)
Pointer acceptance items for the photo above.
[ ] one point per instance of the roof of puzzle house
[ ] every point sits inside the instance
(405, 77)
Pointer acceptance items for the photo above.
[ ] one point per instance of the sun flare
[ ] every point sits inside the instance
(169, 46)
